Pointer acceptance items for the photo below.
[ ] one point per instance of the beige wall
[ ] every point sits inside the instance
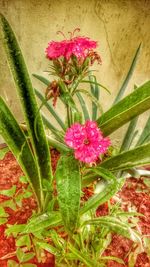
(118, 25)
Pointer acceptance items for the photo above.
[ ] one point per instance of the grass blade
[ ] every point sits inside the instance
(83, 106)
(127, 78)
(95, 91)
(145, 135)
(127, 141)
(51, 110)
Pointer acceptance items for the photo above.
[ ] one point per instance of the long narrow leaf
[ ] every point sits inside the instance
(28, 99)
(51, 110)
(126, 109)
(116, 226)
(69, 189)
(92, 98)
(95, 92)
(128, 77)
(58, 134)
(80, 256)
(145, 135)
(112, 187)
(129, 135)
(83, 106)
(17, 142)
(138, 156)
(42, 221)
(96, 83)
(42, 79)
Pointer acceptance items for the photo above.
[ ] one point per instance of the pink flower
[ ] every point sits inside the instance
(77, 46)
(87, 141)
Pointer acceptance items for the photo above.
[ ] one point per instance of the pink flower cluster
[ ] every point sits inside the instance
(77, 46)
(87, 141)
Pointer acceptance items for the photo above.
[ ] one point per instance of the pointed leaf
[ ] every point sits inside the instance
(117, 226)
(81, 256)
(42, 221)
(145, 135)
(49, 248)
(9, 192)
(138, 156)
(127, 141)
(128, 77)
(83, 106)
(17, 142)
(92, 98)
(51, 110)
(27, 98)
(112, 186)
(95, 92)
(126, 109)
(69, 189)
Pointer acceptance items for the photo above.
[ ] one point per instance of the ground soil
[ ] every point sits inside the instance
(134, 193)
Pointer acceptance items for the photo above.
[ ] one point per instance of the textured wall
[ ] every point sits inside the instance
(118, 25)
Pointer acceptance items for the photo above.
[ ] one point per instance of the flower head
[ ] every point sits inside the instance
(87, 141)
(75, 46)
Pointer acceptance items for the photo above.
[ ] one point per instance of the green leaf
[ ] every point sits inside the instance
(3, 213)
(51, 110)
(58, 134)
(112, 258)
(12, 263)
(3, 221)
(9, 203)
(138, 156)
(145, 135)
(66, 97)
(27, 98)
(41, 222)
(111, 187)
(22, 256)
(42, 79)
(3, 152)
(126, 109)
(9, 192)
(23, 179)
(127, 78)
(83, 106)
(147, 182)
(81, 256)
(96, 83)
(14, 229)
(24, 241)
(58, 145)
(18, 143)
(49, 248)
(127, 140)
(95, 92)
(92, 98)
(68, 182)
(117, 226)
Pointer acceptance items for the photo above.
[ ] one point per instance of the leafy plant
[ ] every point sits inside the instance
(65, 224)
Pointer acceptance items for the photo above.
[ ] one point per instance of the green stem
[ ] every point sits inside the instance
(68, 116)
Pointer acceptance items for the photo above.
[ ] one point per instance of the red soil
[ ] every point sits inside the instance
(120, 247)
